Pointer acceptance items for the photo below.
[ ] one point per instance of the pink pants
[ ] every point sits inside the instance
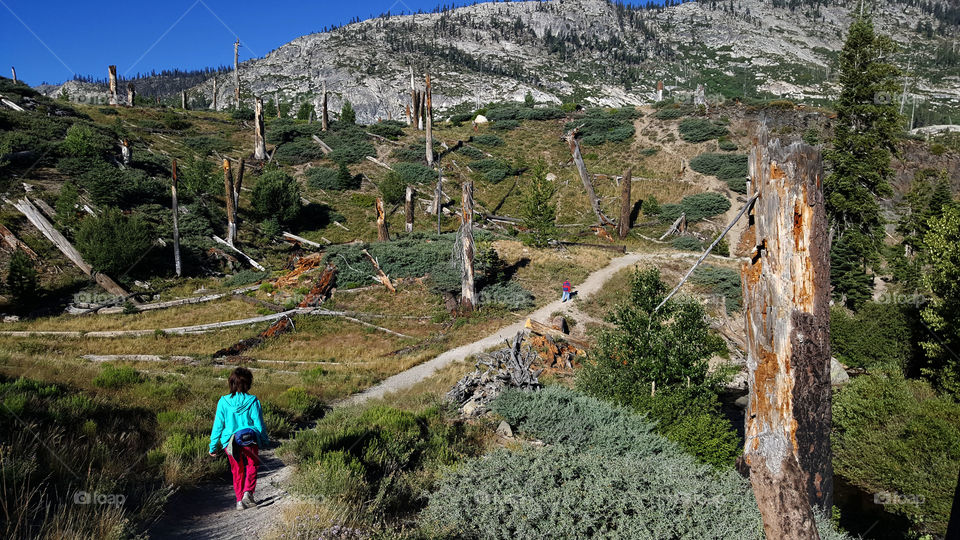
(244, 469)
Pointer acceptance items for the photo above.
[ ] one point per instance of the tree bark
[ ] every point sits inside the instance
(383, 235)
(13, 71)
(237, 184)
(623, 227)
(112, 73)
(259, 145)
(236, 71)
(11, 240)
(325, 116)
(228, 191)
(214, 93)
(468, 298)
(786, 292)
(408, 209)
(131, 94)
(585, 178)
(176, 227)
(429, 123)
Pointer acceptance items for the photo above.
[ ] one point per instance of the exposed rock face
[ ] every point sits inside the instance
(590, 50)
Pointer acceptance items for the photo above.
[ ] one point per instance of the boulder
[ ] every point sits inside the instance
(838, 375)
(481, 119)
(504, 429)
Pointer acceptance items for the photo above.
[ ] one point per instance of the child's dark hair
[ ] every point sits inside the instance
(240, 380)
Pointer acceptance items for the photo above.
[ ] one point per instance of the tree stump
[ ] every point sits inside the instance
(131, 94)
(408, 209)
(228, 195)
(428, 122)
(786, 292)
(112, 74)
(467, 290)
(236, 72)
(383, 234)
(325, 115)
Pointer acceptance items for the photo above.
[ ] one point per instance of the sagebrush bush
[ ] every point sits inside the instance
(697, 130)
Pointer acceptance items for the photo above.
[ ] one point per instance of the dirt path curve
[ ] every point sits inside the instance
(208, 511)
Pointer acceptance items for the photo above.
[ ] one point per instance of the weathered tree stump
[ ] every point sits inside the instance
(408, 209)
(325, 114)
(786, 292)
(214, 93)
(468, 299)
(383, 234)
(259, 144)
(228, 195)
(112, 74)
(585, 178)
(131, 94)
(236, 72)
(428, 122)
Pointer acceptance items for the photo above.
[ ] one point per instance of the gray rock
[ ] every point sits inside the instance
(504, 429)
(838, 375)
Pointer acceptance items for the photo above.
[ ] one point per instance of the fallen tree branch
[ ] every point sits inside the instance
(381, 276)
(252, 262)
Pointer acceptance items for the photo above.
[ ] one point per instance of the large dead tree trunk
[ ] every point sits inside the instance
(214, 93)
(183, 99)
(131, 94)
(429, 123)
(112, 73)
(228, 191)
(176, 225)
(236, 72)
(325, 115)
(408, 209)
(11, 240)
(383, 235)
(585, 178)
(236, 185)
(13, 72)
(786, 292)
(468, 299)
(623, 227)
(259, 144)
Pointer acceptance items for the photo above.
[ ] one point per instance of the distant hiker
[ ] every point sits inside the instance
(238, 430)
(566, 291)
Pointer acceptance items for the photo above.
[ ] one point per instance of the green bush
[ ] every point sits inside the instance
(601, 125)
(686, 243)
(175, 121)
(671, 113)
(488, 139)
(506, 125)
(22, 279)
(727, 145)
(298, 151)
(896, 436)
(389, 130)
(610, 478)
(207, 144)
(393, 188)
(878, 335)
(509, 295)
(349, 145)
(245, 277)
(493, 169)
(409, 154)
(697, 207)
(415, 173)
(651, 206)
(276, 195)
(85, 141)
(333, 180)
(723, 282)
(113, 242)
(347, 114)
(115, 377)
(723, 166)
(695, 130)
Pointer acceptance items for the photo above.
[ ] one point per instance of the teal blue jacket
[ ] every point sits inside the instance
(235, 412)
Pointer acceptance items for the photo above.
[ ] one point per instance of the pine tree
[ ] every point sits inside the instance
(538, 213)
(941, 278)
(347, 114)
(22, 279)
(864, 141)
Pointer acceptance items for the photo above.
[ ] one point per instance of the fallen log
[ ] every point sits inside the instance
(323, 146)
(380, 163)
(45, 208)
(585, 178)
(678, 226)
(252, 262)
(300, 239)
(381, 138)
(11, 240)
(381, 276)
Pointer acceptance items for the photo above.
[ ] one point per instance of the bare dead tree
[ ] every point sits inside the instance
(112, 73)
(259, 144)
(383, 235)
(623, 226)
(183, 99)
(228, 191)
(786, 292)
(408, 209)
(236, 71)
(468, 298)
(176, 227)
(236, 185)
(131, 94)
(214, 92)
(429, 123)
(325, 116)
(585, 178)
(13, 71)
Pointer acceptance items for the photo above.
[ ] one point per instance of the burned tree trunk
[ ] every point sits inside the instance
(214, 93)
(176, 226)
(237, 184)
(131, 94)
(409, 117)
(786, 292)
(112, 73)
(259, 144)
(623, 227)
(468, 299)
(585, 178)
(325, 115)
(236, 72)
(408, 209)
(383, 235)
(428, 114)
(125, 152)
(228, 191)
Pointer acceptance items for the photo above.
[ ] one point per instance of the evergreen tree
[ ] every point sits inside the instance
(269, 109)
(347, 114)
(538, 213)
(866, 129)
(22, 279)
(941, 278)
(305, 111)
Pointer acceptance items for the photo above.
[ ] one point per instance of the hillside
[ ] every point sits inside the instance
(598, 53)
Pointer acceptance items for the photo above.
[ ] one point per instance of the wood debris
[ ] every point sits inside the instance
(509, 367)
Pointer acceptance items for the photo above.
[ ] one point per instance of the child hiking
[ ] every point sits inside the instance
(566, 291)
(238, 430)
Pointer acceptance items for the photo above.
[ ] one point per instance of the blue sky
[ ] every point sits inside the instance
(52, 40)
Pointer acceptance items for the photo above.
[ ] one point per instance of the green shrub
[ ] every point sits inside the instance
(115, 377)
(22, 279)
(305, 111)
(333, 180)
(299, 403)
(686, 243)
(85, 141)
(695, 130)
(393, 188)
(878, 335)
(207, 144)
(347, 114)
(605, 125)
(245, 277)
(276, 195)
(811, 136)
(488, 139)
(493, 169)
(697, 207)
(175, 121)
(113, 242)
(723, 166)
(727, 145)
(349, 145)
(896, 436)
(298, 151)
(509, 295)
(415, 173)
(389, 130)
(723, 282)
(651, 206)
(409, 154)
(506, 125)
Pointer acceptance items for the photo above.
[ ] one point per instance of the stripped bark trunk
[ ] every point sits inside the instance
(228, 196)
(429, 123)
(678, 226)
(325, 114)
(183, 99)
(381, 276)
(11, 240)
(409, 117)
(323, 146)
(237, 184)
(236, 72)
(786, 299)
(468, 299)
(131, 94)
(112, 74)
(13, 71)
(408, 209)
(214, 93)
(623, 227)
(125, 151)
(585, 178)
(383, 235)
(259, 144)
(176, 226)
